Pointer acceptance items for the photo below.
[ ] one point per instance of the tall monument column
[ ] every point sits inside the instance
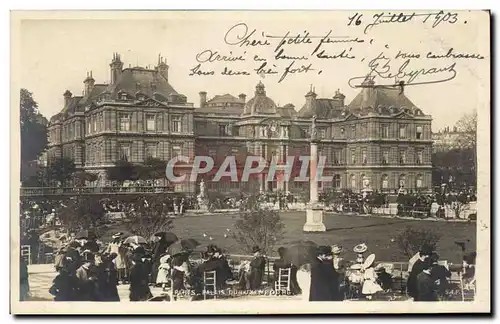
(314, 212)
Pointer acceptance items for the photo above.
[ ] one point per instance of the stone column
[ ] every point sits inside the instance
(314, 212)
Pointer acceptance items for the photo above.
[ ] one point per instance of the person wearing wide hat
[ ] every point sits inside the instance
(87, 275)
(139, 277)
(257, 268)
(424, 254)
(121, 260)
(324, 278)
(339, 264)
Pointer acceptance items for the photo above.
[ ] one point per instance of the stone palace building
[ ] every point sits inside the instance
(378, 141)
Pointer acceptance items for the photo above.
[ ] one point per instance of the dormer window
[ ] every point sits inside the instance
(122, 95)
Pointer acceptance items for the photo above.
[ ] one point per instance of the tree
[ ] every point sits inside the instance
(81, 212)
(258, 226)
(152, 169)
(122, 171)
(61, 169)
(457, 163)
(410, 240)
(147, 215)
(33, 129)
(467, 126)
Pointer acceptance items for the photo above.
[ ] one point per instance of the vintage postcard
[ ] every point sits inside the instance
(250, 162)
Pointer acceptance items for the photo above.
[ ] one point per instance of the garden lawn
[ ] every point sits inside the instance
(378, 233)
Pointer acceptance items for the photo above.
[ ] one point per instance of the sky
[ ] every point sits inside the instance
(56, 51)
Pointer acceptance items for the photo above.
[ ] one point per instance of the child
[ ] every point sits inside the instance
(163, 276)
(370, 285)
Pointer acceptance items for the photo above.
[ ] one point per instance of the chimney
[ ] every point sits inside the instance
(67, 97)
(116, 68)
(203, 99)
(243, 97)
(339, 98)
(162, 67)
(454, 129)
(367, 86)
(310, 98)
(89, 84)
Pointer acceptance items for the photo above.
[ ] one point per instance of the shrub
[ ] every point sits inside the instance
(410, 240)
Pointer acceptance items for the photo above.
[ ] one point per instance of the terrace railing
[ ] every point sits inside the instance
(71, 191)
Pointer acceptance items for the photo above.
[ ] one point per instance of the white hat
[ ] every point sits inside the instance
(336, 249)
(360, 248)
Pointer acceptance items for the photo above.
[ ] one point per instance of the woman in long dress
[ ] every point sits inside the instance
(304, 280)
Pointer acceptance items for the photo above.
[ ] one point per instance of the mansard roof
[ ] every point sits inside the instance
(149, 82)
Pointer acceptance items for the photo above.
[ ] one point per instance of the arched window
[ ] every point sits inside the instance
(385, 181)
(353, 181)
(402, 181)
(336, 181)
(420, 182)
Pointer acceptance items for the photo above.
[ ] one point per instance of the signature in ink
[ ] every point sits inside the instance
(381, 67)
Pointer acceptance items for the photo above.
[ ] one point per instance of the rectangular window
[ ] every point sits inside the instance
(353, 157)
(385, 157)
(402, 157)
(402, 131)
(420, 156)
(322, 133)
(176, 124)
(124, 122)
(224, 130)
(89, 126)
(353, 131)
(150, 122)
(364, 156)
(176, 150)
(385, 131)
(419, 182)
(419, 134)
(336, 157)
(151, 150)
(125, 152)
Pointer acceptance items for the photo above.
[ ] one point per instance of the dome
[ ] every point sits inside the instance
(260, 104)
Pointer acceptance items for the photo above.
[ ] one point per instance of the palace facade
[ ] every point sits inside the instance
(378, 141)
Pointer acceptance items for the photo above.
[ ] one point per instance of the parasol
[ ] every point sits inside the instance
(190, 244)
(176, 248)
(169, 237)
(301, 253)
(135, 240)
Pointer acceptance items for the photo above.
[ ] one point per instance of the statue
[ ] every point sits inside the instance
(314, 131)
(202, 188)
(202, 200)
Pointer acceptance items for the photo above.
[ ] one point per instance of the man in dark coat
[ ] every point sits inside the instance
(257, 268)
(425, 284)
(107, 279)
(440, 275)
(284, 263)
(139, 277)
(159, 249)
(324, 278)
(65, 284)
(411, 286)
(24, 282)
